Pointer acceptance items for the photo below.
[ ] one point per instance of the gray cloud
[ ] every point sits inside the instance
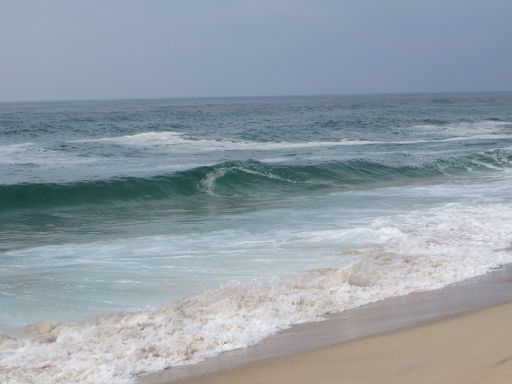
(58, 49)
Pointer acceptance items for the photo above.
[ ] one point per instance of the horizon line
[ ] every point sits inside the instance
(250, 96)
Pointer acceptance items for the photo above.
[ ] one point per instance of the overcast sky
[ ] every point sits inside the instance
(100, 49)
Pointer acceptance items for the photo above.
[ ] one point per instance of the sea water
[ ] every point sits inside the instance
(143, 234)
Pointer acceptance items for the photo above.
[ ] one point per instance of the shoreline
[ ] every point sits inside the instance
(459, 349)
(381, 319)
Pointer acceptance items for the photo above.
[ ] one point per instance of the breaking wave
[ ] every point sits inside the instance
(463, 131)
(242, 178)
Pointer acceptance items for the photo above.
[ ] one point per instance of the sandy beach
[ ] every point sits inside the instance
(470, 348)
(458, 334)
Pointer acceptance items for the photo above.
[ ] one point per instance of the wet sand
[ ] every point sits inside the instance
(429, 337)
(471, 348)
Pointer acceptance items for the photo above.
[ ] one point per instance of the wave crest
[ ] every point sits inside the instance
(241, 178)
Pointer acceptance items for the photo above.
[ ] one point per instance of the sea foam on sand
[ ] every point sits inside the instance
(417, 251)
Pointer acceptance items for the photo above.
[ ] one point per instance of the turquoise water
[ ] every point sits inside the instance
(271, 211)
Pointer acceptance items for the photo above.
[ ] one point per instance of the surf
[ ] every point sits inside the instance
(244, 179)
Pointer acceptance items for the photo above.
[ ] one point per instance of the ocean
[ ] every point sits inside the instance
(138, 235)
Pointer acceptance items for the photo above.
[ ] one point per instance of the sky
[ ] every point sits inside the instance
(111, 49)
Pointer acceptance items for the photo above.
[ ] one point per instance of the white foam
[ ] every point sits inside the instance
(34, 154)
(466, 128)
(418, 251)
(177, 139)
(486, 130)
(14, 153)
(14, 148)
(208, 182)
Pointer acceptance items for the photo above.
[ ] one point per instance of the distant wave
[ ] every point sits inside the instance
(421, 250)
(241, 178)
(485, 130)
(177, 139)
(464, 128)
(34, 155)
(14, 148)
